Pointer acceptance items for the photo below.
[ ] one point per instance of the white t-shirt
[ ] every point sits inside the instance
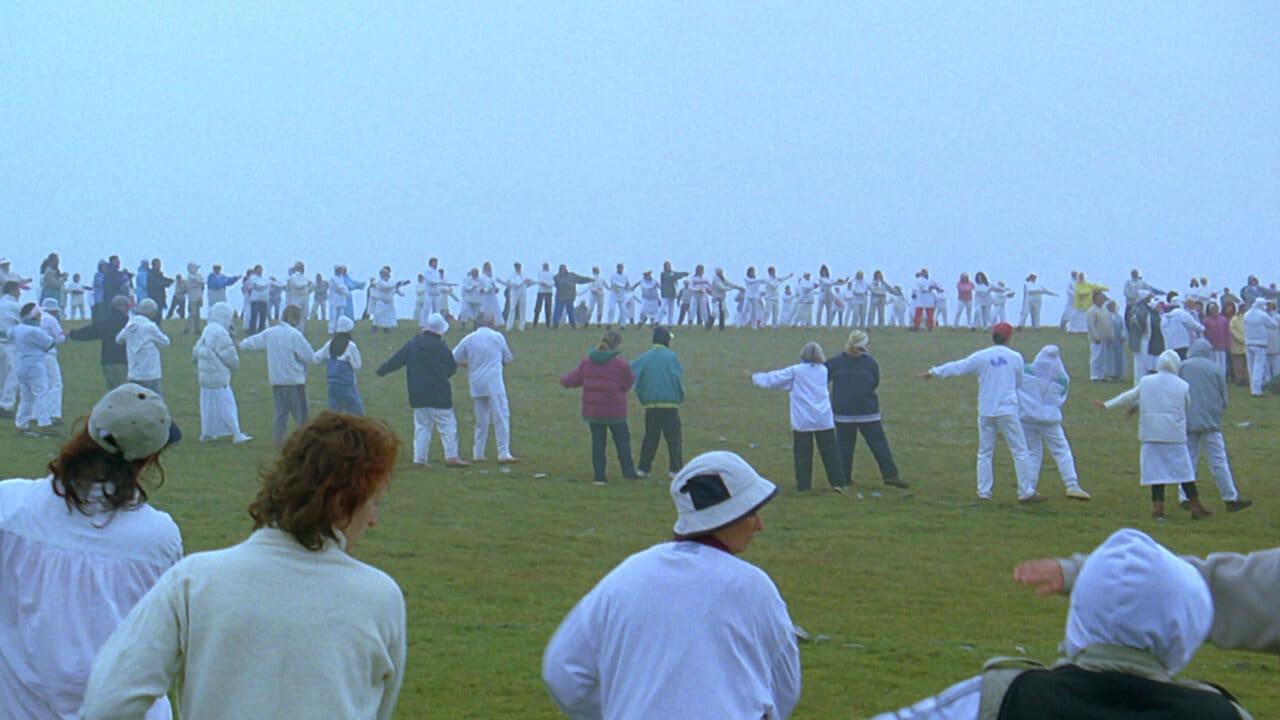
(679, 631)
(999, 370)
(67, 580)
(484, 352)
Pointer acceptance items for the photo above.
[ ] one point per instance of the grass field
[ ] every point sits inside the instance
(906, 594)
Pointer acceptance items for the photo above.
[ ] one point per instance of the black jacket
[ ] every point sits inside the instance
(108, 324)
(853, 384)
(428, 365)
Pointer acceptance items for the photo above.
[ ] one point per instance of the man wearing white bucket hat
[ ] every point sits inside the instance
(428, 365)
(684, 629)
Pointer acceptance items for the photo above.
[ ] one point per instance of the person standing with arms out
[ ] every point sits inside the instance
(546, 289)
(999, 369)
(341, 358)
(428, 365)
(51, 402)
(31, 346)
(605, 379)
(879, 291)
(771, 297)
(926, 300)
(1179, 327)
(104, 328)
(1162, 401)
(10, 318)
(1207, 387)
(75, 291)
(288, 354)
(1045, 386)
(518, 298)
(659, 384)
(700, 303)
(420, 300)
(297, 291)
(259, 289)
(81, 547)
(720, 287)
(1258, 325)
(668, 280)
(216, 359)
(217, 285)
(860, 294)
(178, 304)
(143, 339)
(435, 287)
(595, 298)
(811, 417)
(195, 299)
(826, 295)
(1099, 324)
(854, 377)
(964, 300)
(383, 291)
(1032, 300)
(484, 353)
(900, 304)
(618, 287)
(684, 630)
(982, 301)
(566, 293)
(319, 299)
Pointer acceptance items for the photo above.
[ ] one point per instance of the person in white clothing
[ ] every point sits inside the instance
(788, 306)
(420, 300)
(81, 547)
(650, 299)
(288, 354)
(753, 300)
(806, 291)
(826, 295)
(51, 401)
(982, 301)
(216, 359)
(898, 315)
(1068, 307)
(434, 282)
(544, 302)
(619, 286)
(297, 289)
(517, 297)
(1258, 325)
(1179, 327)
(1137, 616)
(143, 339)
(483, 353)
(1163, 400)
(925, 296)
(879, 291)
(488, 286)
(31, 346)
(771, 297)
(595, 297)
(1045, 386)
(1033, 294)
(382, 294)
(10, 318)
(684, 630)
(75, 292)
(1000, 371)
(238, 651)
(859, 301)
(1000, 295)
(339, 296)
(428, 365)
(811, 416)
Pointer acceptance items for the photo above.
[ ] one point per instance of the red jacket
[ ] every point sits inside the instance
(605, 379)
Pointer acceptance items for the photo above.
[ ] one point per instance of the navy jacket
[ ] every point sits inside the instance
(104, 329)
(428, 365)
(853, 384)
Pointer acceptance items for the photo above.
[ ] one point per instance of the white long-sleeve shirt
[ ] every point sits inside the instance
(999, 370)
(1257, 323)
(288, 353)
(263, 629)
(484, 352)
(810, 398)
(1180, 328)
(681, 631)
(67, 580)
(142, 340)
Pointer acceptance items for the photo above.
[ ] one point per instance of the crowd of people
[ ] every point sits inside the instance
(674, 630)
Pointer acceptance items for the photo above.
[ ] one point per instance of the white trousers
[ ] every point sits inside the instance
(77, 311)
(595, 308)
(669, 306)
(982, 316)
(858, 312)
(1097, 357)
(1215, 449)
(51, 402)
(898, 318)
(441, 420)
(803, 315)
(752, 312)
(9, 376)
(1030, 309)
(1259, 370)
(771, 312)
(617, 309)
(965, 308)
(30, 387)
(1220, 359)
(829, 306)
(516, 310)
(1040, 435)
(492, 410)
(1011, 429)
(219, 416)
(877, 312)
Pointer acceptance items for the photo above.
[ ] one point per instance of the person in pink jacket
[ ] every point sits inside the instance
(1217, 330)
(964, 300)
(605, 379)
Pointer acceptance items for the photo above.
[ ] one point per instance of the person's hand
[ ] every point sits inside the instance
(1099, 404)
(926, 375)
(1045, 575)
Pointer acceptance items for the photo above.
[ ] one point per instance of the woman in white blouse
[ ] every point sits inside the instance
(811, 418)
(287, 624)
(78, 549)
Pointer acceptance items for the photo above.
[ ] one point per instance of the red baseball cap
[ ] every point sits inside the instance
(1003, 330)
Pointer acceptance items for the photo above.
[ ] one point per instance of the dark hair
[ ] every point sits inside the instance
(9, 287)
(82, 457)
(338, 344)
(326, 470)
(999, 339)
(26, 309)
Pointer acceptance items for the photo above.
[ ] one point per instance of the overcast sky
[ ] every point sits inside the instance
(1005, 136)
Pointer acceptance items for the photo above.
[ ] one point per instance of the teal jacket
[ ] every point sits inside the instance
(658, 378)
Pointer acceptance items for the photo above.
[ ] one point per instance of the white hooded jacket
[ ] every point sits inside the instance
(1045, 385)
(142, 340)
(215, 353)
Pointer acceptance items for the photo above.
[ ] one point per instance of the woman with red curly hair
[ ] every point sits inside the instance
(287, 624)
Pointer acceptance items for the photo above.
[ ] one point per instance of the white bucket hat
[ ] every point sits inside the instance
(716, 489)
(344, 325)
(436, 324)
(132, 421)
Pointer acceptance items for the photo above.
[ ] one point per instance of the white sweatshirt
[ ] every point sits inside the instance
(264, 629)
(288, 353)
(999, 370)
(1257, 323)
(681, 631)
(1180, 328)
(142, 340)
(484, 352)
(810, 399)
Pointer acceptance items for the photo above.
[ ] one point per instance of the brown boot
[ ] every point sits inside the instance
(1157, 509)
(1198, 510)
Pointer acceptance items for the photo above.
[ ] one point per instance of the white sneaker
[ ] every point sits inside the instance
(241, 438)
(642, 474)
(1076, 493)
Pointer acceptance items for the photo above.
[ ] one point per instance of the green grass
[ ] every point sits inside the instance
(911, 593)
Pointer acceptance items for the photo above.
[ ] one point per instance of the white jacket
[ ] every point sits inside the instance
(681, 631)
(10, 315)
(1257, 324)
(999, 370)
(142, 340)
(288, 353)
(1180, 328)
(297, 289)
(259, 288)
(215, 353)
(1163, 400)
(484, 352)
(810, 398)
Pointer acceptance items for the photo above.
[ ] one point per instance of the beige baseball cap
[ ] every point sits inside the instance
(132, 421)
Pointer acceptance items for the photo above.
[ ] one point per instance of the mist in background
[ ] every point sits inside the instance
(1004, 136)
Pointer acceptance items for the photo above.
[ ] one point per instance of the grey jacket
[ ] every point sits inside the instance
(1208, 388)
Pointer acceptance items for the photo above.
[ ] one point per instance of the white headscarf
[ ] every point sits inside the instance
(1133, 592)
(1169, 362)
(1047, 366)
